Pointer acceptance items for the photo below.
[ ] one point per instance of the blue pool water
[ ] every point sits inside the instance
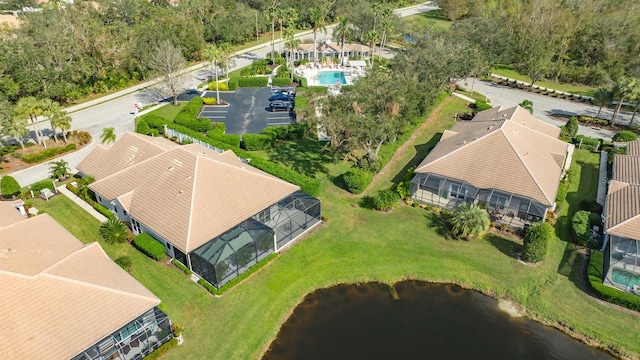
(624, 278)
(330, 77)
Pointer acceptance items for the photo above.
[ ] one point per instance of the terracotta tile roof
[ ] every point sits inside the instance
(66, 297)
(626, 168)
(130, 149)
(190, 194)
(505, 149)
(622, 217)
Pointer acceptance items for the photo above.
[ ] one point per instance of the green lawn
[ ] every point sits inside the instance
(168, 112)
(359, 245)
(510, 72)
(431, 19)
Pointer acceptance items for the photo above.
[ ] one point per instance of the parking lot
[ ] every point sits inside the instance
(248, 111)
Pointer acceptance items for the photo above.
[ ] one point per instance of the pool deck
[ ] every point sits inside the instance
(311, 74)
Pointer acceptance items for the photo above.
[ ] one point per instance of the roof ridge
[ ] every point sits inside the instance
(540, 122)
(460, 148)
(64, 258)
(190, 221)
(623, 222)
(535, 180)
(145, 138)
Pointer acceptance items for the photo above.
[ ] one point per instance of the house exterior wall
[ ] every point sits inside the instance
(137, 339)
(623, 271)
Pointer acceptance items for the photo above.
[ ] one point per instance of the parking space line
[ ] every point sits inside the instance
(278, 123)
(279, 118)
(215, 117)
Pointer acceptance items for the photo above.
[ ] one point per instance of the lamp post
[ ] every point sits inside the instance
(257, 36)
(486, 98)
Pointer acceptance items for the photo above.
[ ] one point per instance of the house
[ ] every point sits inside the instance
(328, 49)
(504, 158)
(214, 213)
(62, 299)
(622, 222)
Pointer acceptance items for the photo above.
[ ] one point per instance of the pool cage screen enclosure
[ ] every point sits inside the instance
(234, 252)
(448, 193)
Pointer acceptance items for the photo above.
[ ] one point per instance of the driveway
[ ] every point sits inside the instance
(248, 111)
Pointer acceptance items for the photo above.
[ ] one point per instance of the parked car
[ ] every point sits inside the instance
(281, 97)
(280, 106)
(287, 91)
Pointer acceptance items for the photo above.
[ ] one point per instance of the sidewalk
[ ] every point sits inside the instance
(83, 204)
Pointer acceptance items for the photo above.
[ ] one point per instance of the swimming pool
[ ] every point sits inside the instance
(331, 77)
(624, 278)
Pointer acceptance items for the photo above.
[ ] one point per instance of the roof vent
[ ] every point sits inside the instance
(188, 177)
(134, 148)
(170, 168)
(177, 162)
(131, 159)
(490, 127)
(180, 191)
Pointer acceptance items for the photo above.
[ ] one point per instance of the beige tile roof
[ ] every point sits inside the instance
(622, 217)
(130, 149)
(633, 147)
(337, 47)
(9, 214)
(626, 168)
(66, 297)
(190, 194)
(505, 149)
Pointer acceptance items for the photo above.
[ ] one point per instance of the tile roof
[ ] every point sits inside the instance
(633, 147)
(626, 168)
(622, 216)
(505, 149)
(337, 47)
(10, 214)
(190, 194)
(59, 296)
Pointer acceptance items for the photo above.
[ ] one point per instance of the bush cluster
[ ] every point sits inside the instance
(385, 200)
(9, 187)
(142, 127)
(149, 246)
(592, 120)
(181, 266)
(253, 142)
(125, 263)
(81, 137)
(188, 116)
(155, 122)
(233, 84)
(569, 130)
(162, 350)
(260, 264)
(47, 154)
(302, 81)
(281, 81)
(261, 81)
(536, 242)
(222, 86)
(307, 184)
(481, 105)
(217, 128)
(581, 227)
(587, 143)
(43, 184)
(607, 293)
(625, 135)
(209, 101)
(232, 140)
(357, 180)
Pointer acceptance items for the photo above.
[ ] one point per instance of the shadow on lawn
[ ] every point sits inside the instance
(305, 156)
(440, 223)
(505, 246)
(422, 151)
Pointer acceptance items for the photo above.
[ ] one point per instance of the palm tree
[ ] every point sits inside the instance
(387, 26)
(633, 94)
(60, 120)
(83, 187)
(59, 169)
(527, 105)
(226, 52)
(342, 27)
(621, 90)
(273, 14)
(372, 37)
(602, 97)
(213, 54)
(318, 22)
(375, 8)
(49, 108)
(291, 43)
(31, 108)
(16, 127)
(114, 231)
(469, 221)
(108, 135)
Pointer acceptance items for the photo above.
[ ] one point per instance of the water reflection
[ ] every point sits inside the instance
(429, 321)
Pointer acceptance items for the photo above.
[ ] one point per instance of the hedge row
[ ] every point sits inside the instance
(42, 184)
(222, 86)
(258, 81)
(585, 142)
(217, 128)
(607, 293)
(188, 116)
(149, 246)
(259, 265)
(253, 142)
(232, 140)
(281, 81)
(181, 266)
(9, 187)
(155, 122)
(103, 210)
(307, 184)
(47, 154)
(162, 350)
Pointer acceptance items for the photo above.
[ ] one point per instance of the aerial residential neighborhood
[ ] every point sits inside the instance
(280, 179)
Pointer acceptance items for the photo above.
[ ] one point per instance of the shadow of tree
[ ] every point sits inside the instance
(305, 156)
(366, 202)
(588, 180)
(422, 151)
(506, 246)
(439, 222)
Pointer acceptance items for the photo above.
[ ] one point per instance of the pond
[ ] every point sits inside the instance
(434, 321)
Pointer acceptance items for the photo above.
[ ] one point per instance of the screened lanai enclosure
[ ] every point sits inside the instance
(504, 207)
(235, 251)
(624, 264)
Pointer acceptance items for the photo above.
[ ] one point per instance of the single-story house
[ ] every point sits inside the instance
(504, 158)
(622, 222)
(214, 213)
(62, 299)
(329, 49)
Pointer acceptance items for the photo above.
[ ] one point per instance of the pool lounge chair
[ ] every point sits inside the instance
(636, 289)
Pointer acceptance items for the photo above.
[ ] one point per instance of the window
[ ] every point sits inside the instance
(498, 202)
(458, 191)
(264, 216)
(432, 184)
(125, 212)
(99, 198)
(135, 225)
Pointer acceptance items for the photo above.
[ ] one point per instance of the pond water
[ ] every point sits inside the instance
(428, 321)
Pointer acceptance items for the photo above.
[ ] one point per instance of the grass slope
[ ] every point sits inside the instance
(510, 72)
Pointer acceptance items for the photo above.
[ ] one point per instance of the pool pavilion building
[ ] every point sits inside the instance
(214, 213)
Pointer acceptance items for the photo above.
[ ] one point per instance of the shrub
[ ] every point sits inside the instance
(385, 200)
(154, 132)
(142, 127)
(47, 154)
(536, 242)
(9, 187)
(114, 231)
(82, 137)
(149, 246)
(607, 293)
(302, 81)
(193, 123)
(125, 263)
(481, 105)
(217, 128)
(155, 122)
(209, 101)
(625, 135)
(232, 140)
(253, 81)
(592, 120)
(233, 84)
(276, 132)
(298, 131)
(162, 350)
(581, 227)
(562, 193)
(103, 210)
(281, 81)
(48, 184)
(469, 221)
(585, 142)
(181, 266)
(356, 180)
(254, 142)
(222, 86)
(572, 126)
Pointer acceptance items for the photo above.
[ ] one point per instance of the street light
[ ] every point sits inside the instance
(486, 98)
(257, 36)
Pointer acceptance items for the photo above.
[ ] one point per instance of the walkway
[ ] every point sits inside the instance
(83, 204)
